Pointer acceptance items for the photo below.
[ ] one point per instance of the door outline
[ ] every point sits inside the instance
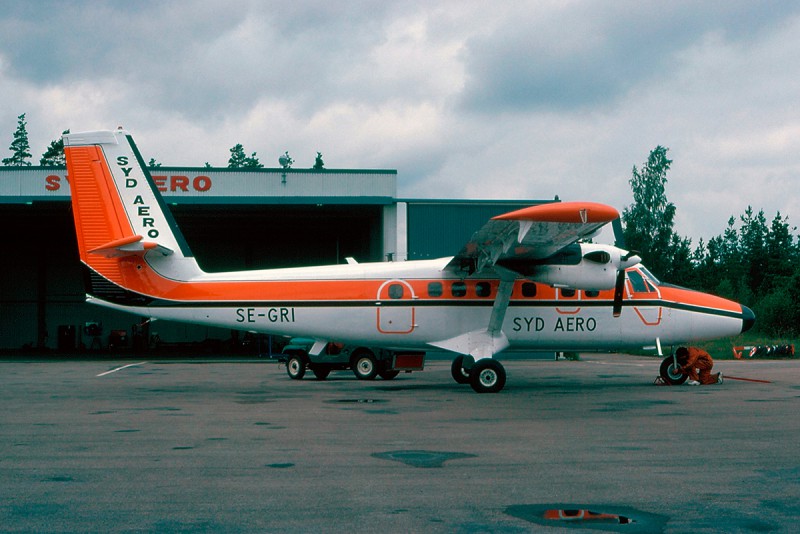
(395, 318)
(649, 315)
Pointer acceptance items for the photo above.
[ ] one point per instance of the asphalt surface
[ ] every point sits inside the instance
(221, 446)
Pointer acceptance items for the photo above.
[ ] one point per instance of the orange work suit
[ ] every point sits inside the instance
(699, 359)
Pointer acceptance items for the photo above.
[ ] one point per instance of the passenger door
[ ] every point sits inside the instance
(395, 307)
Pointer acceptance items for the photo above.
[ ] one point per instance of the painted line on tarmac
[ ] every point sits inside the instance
(121, 368)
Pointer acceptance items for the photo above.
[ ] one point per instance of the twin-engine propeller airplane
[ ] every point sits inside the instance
(524, 281)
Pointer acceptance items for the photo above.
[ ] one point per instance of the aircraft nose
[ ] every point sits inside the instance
(748, 319)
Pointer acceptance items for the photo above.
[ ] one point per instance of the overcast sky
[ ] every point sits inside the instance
(466, 99)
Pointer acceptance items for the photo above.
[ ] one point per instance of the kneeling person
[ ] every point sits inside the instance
(696, 364)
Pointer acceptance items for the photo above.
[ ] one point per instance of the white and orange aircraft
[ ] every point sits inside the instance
(525, 280)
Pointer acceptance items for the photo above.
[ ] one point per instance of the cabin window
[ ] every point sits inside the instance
(435, 289)
(638, 283)
(483, 289)
(458, 289)
(396, 291)
(568, 293)
(592, 294)
(528, 289)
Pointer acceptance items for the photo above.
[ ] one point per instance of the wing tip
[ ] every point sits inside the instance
(564, 212)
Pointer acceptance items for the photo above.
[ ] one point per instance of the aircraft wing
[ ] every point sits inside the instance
(525, 236)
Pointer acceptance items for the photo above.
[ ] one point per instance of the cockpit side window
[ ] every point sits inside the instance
(638, 283)
(649, 276)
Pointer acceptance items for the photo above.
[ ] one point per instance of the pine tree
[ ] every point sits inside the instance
(252, 162)
(238, 157)
(650, 219)
(54, 155)
(318, 163)
(20, 147)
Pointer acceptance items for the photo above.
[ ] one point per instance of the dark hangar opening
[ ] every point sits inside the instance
(226, 238)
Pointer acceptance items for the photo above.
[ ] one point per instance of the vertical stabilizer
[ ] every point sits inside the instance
(119, 214)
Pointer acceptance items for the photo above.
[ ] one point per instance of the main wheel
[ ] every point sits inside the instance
(668, 373)
(321, 373)
(295, 367)
(460, 374)
(487, 376)
(364, 365)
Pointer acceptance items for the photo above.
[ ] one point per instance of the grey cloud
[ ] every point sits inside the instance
(584, 56)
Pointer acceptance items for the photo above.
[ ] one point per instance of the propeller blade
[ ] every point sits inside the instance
(618, 289)
(619, 234)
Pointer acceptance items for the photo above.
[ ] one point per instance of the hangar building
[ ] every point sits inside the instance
(232, 219)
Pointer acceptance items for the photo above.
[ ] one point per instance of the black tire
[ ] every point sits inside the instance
(667, 374)
(321, 372)
(460, 375)
(364, 365)
(389, 375)
(487, 376)
(296, 367)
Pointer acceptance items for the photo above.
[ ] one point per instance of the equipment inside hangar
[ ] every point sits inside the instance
(232, 219)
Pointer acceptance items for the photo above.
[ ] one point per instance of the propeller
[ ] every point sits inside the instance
(628, 259)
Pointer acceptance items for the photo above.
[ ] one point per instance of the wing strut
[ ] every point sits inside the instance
(500, 306)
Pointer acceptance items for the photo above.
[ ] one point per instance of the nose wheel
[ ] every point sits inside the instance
(669, 374)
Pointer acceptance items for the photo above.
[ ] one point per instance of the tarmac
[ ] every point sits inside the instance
(236, 446)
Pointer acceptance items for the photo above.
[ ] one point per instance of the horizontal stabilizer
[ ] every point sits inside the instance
(129, 246)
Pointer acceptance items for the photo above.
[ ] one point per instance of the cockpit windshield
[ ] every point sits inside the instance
(653, 280)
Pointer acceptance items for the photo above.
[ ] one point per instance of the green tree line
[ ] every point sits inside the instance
(54, 154)
(753, 261)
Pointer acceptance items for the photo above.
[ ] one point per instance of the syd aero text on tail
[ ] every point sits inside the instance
(128, 241)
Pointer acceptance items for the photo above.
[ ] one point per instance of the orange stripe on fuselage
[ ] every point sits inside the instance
(139, 277)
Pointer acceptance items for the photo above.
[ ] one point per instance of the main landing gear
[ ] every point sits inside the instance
(485, 376)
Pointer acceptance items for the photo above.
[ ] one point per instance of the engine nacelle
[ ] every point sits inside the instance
(584, 266)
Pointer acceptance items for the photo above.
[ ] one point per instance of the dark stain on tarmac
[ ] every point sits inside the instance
(280, 466)
(425, 459)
